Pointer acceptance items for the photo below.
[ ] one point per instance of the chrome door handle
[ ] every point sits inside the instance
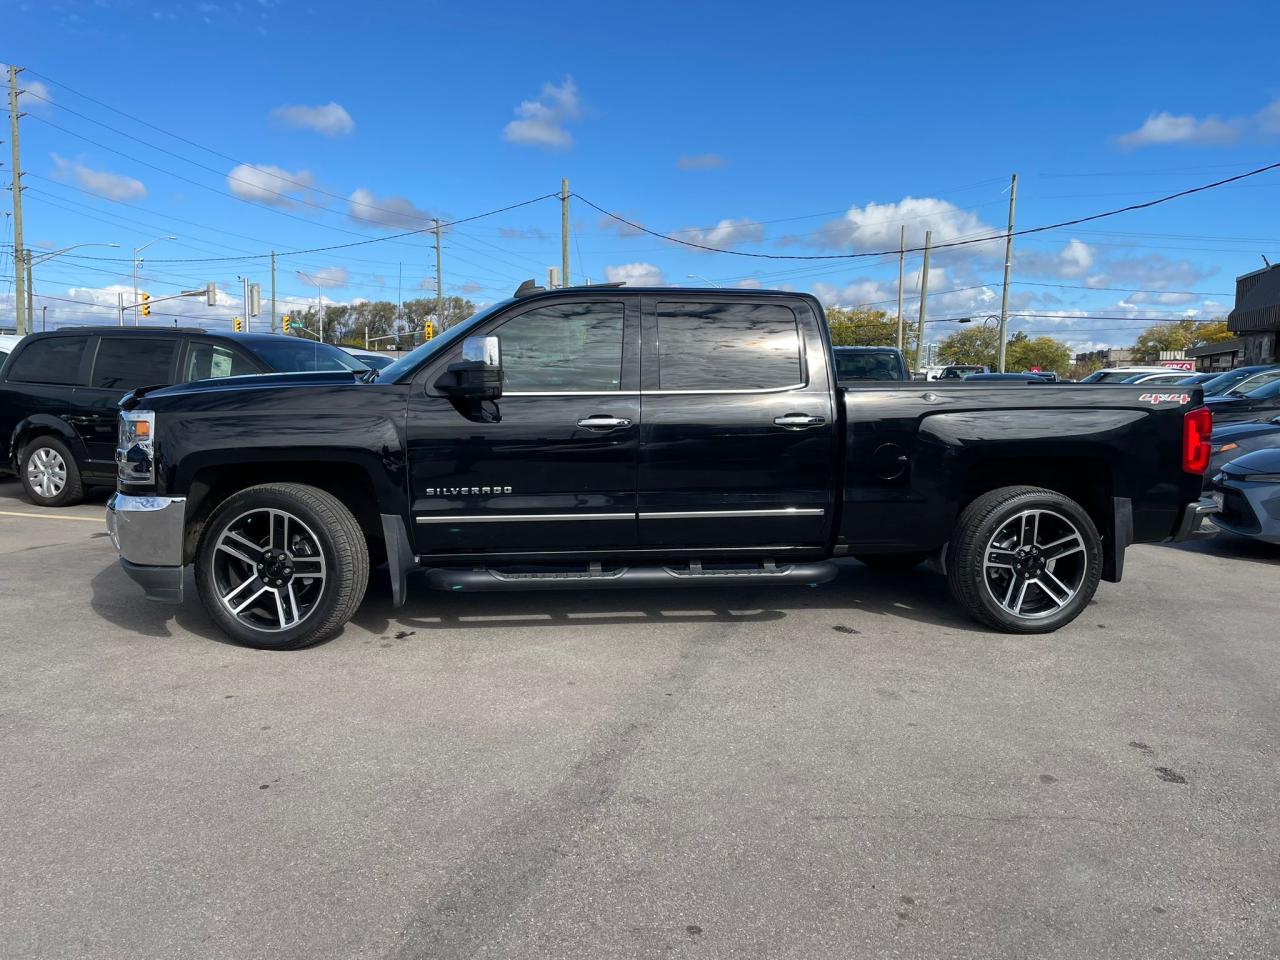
(604, 423)
(799, 421)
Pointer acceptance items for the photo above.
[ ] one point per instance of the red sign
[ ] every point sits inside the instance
(1035, 369)
(1178, 364)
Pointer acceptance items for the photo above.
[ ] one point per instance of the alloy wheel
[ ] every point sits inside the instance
(268, 570)
(1035, 564)
(47, 472)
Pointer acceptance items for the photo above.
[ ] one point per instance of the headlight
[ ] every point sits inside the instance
(135, 452)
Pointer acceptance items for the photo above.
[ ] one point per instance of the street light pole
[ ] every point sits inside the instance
(711, 283)
(136, 251)
(45, 258)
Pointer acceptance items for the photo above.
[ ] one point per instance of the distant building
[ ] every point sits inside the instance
(1110, 357)
(1256, 317)
(1212, 357)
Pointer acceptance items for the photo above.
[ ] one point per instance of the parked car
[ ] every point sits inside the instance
(1120, 374)
(1158, 379)
(602, 438)
(1231, 379)
(1005, 377)
(1248, 489)
(7, 342)
(373, 359)
(870, 363)
(1258, 404)
(59, 391)
(958, 371)
(1232, 440)
(1197, 378)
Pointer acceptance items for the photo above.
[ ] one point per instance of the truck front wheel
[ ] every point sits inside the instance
(281, 566)
(1024, 559)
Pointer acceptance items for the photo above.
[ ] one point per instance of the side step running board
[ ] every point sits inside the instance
(484, 580)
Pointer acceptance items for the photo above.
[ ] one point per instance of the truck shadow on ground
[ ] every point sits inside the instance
(919, 596)
(857, 592)
(1231, 547)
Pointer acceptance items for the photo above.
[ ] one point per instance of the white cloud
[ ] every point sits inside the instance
(541, 122)
(701, 161)
(112, 186)
(1073, 261)
(330, 119)
(750, 283)
(857, 293)
(877, 226)
(726, 233)
(33, 95)
(522, 233)
(265, 183)
(1268, 119)
(620, 228)
(398, 212)
(635, 275)
(1161, 129)
(325, 277)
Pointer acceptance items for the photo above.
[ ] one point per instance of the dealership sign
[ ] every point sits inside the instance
(1178, 364)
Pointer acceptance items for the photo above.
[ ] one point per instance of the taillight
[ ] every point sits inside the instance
(1197, 425)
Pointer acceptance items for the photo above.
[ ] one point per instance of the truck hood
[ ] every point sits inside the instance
(252, 382)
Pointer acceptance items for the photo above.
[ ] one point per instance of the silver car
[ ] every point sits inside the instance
(1248, 491)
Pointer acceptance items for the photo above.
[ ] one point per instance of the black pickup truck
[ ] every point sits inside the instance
(616, 437)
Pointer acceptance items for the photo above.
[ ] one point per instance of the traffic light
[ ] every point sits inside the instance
(146, 304)
(428, 330)
(237, 324)
(284, 324)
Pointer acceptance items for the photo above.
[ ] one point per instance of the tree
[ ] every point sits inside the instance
(351, 323)
(974, 344)
(1177, 336)
(978, 345)
(861, 327)
(1044, 352)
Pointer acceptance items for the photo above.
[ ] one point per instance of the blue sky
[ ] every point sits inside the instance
(799, 130)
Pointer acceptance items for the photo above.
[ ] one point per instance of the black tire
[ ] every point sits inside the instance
(990, 593)
(891, 563)
(325, 537)
(52, 463)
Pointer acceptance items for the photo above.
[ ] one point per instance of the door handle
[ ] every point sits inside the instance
(600, 422)
(799, 421)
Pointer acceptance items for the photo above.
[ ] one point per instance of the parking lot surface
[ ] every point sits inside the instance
(852, 771)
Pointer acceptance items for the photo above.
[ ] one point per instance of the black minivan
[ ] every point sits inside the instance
(59, 390)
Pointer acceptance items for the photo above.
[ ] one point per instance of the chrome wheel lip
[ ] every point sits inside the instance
(1030, 564)
(269, 574)
(47, 472)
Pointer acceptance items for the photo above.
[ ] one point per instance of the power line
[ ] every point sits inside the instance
(954, 243)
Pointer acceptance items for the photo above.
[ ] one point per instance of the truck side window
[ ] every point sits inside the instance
(124, 363)
(54, 360)
(728, 346)
(206, 361)
(564, 347)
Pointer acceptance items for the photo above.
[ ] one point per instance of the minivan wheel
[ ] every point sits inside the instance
(1024, 559)
(281, 566)
(49, 473)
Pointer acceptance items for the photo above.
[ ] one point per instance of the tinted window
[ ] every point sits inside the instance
(54, 360)
(851, 365)
(206, 361)
(569, 346)
(727, 346)
(288, 355)
(124, 363)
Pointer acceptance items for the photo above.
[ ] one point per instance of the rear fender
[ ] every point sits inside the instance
(44, 423)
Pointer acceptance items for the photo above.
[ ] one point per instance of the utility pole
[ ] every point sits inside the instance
(564, 231)
(44, 317)
(273, 291)
(31, 314)
(19, 302)
(439, 283)
(902, 256)
(924, 293)
(1008, 262)
(120, 307)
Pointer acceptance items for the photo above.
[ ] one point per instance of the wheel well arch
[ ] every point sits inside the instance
(44, 425)
(349, 482)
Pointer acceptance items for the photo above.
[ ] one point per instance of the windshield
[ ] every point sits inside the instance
(375, 362)
(1265, 392)
(415, 358)
(1250, 384)
(303, 356)
(1225, 381)
(867, 365)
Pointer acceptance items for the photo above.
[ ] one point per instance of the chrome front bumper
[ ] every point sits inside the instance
(1193, 515)
(148, 534)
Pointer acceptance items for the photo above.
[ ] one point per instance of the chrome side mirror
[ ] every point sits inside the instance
(478, 375)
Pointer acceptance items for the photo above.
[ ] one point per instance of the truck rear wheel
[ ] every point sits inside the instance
(1024, 559)
(281, 566)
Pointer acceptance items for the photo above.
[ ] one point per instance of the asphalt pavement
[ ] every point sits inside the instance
(852, 771)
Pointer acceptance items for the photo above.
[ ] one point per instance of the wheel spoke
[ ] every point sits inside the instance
(1022, 595)
(227, 548)
(1059, 601)
(1067, 591)
(284, 620)
(252, 597)
(227, 598)
(286, 576)
(1064, 547)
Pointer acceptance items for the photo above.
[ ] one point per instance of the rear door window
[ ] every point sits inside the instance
(728, 346)
(125, 363)
(52, 360)
(207, 361)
